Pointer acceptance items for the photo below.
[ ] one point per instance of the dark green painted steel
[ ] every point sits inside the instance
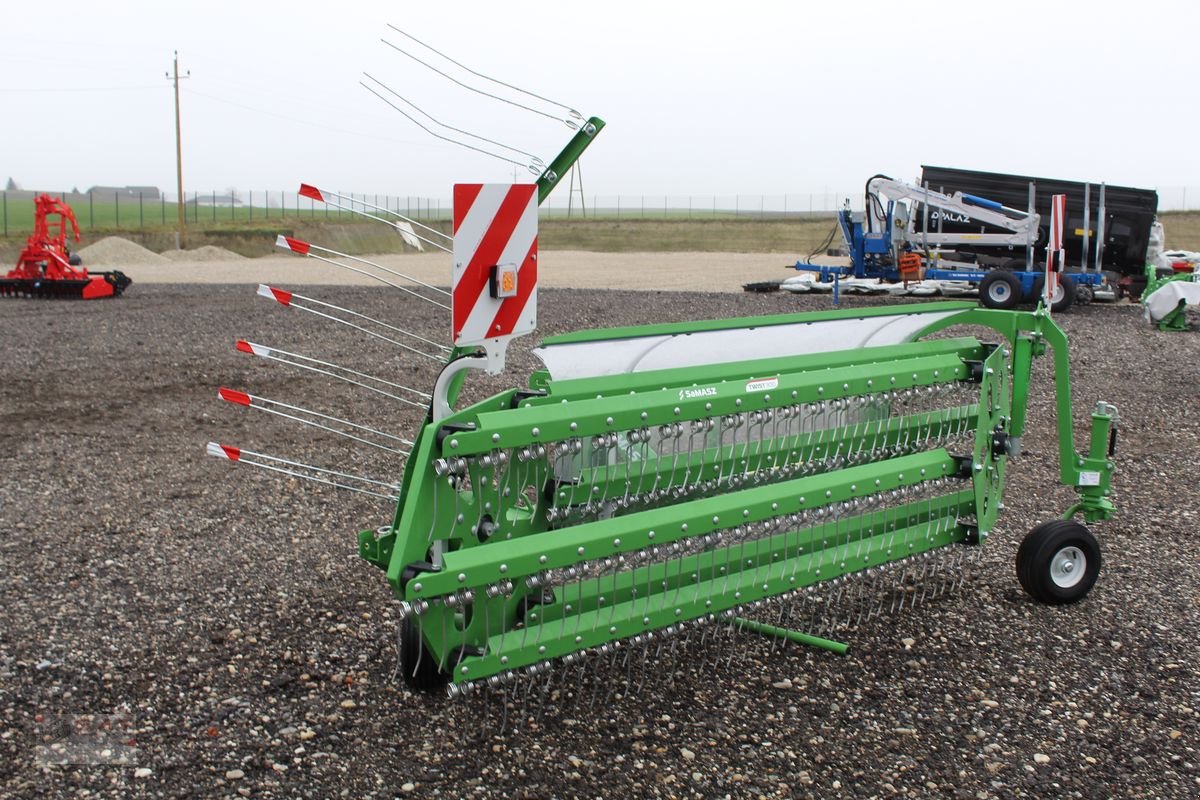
(569, 155)
(507, 584)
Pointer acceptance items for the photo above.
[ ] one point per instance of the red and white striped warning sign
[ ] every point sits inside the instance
(495, 262)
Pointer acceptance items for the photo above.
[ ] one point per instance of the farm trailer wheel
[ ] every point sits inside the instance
(1064, 294)
(1000, 289)
(1058, 562)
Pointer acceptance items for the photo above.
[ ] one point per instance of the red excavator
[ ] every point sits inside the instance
(47, 268)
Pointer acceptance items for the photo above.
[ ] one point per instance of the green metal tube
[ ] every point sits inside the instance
(792, 636)
(570, 154)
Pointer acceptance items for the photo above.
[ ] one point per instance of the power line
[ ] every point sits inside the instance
(58, 89)
(306, 122)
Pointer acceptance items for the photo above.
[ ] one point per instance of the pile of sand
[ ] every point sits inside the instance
(206, 253)
(113, 251)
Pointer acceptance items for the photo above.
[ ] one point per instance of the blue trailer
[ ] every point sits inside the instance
(884, 243)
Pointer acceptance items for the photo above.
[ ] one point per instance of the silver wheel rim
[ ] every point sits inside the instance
(999, 292)
(1068, 567)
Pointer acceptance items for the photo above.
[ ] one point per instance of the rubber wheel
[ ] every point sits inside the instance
(1058, 562)
(417, 664)
(1063, 298)
(1014, 265)
(1000, 289)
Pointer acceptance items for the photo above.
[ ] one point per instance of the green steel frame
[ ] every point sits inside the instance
(543, 522)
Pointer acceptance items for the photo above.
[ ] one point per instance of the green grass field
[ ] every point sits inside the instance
(251, 230)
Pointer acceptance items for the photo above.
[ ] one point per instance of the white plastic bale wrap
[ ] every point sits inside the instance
(1166, 298)
(618, 356)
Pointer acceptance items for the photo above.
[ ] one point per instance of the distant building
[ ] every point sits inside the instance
(126, 192)
(213, 199)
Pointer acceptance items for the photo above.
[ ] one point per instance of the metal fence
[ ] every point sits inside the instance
(141, 209)
(150, 208)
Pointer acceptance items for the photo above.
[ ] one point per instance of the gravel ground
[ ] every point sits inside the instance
(225, 622)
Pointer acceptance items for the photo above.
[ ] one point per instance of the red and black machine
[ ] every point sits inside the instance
(47, 268)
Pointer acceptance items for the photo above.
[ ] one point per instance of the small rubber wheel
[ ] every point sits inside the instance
(1063, 297)
(1000, 289)
(417, 664)
(1058, 562)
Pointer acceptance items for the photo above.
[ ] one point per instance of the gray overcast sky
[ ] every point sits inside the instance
(700, 98)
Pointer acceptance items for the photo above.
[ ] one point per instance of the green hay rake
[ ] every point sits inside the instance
(1166, 298)
(656, 483)
(657, 480)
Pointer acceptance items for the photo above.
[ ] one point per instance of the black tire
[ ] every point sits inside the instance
(1014, 265)
(417, 664)
(75, 260)
(1066, 295)
(1058, 562)
(1000, 289)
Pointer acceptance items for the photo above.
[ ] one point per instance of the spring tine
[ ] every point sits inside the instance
(599, 675)
(543, 694)
(327, 369)
(502, 693)
(530, 683)
(671, 660)
(322, 195)
(263, 404)
(611, 684)
(571, 113)
(472, 88)
(779, 623)
(745, 422)
(238, 455)
(733, 637)
(303, 248)
(531, 167)
(534, 160)
(287, 300)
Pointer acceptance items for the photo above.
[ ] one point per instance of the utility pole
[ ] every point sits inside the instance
(179, 149)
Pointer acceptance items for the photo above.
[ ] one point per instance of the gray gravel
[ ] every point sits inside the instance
(225, 620)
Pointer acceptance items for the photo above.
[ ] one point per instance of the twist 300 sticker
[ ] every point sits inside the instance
(762, 385)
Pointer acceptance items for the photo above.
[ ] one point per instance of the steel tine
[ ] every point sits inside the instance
(571, 113)
(288, 299)
(300, 247)
(239, 455)
(264, 404)
(405, 227)
(326, 368)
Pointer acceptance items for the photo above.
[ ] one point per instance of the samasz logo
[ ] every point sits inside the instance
(692, 394)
